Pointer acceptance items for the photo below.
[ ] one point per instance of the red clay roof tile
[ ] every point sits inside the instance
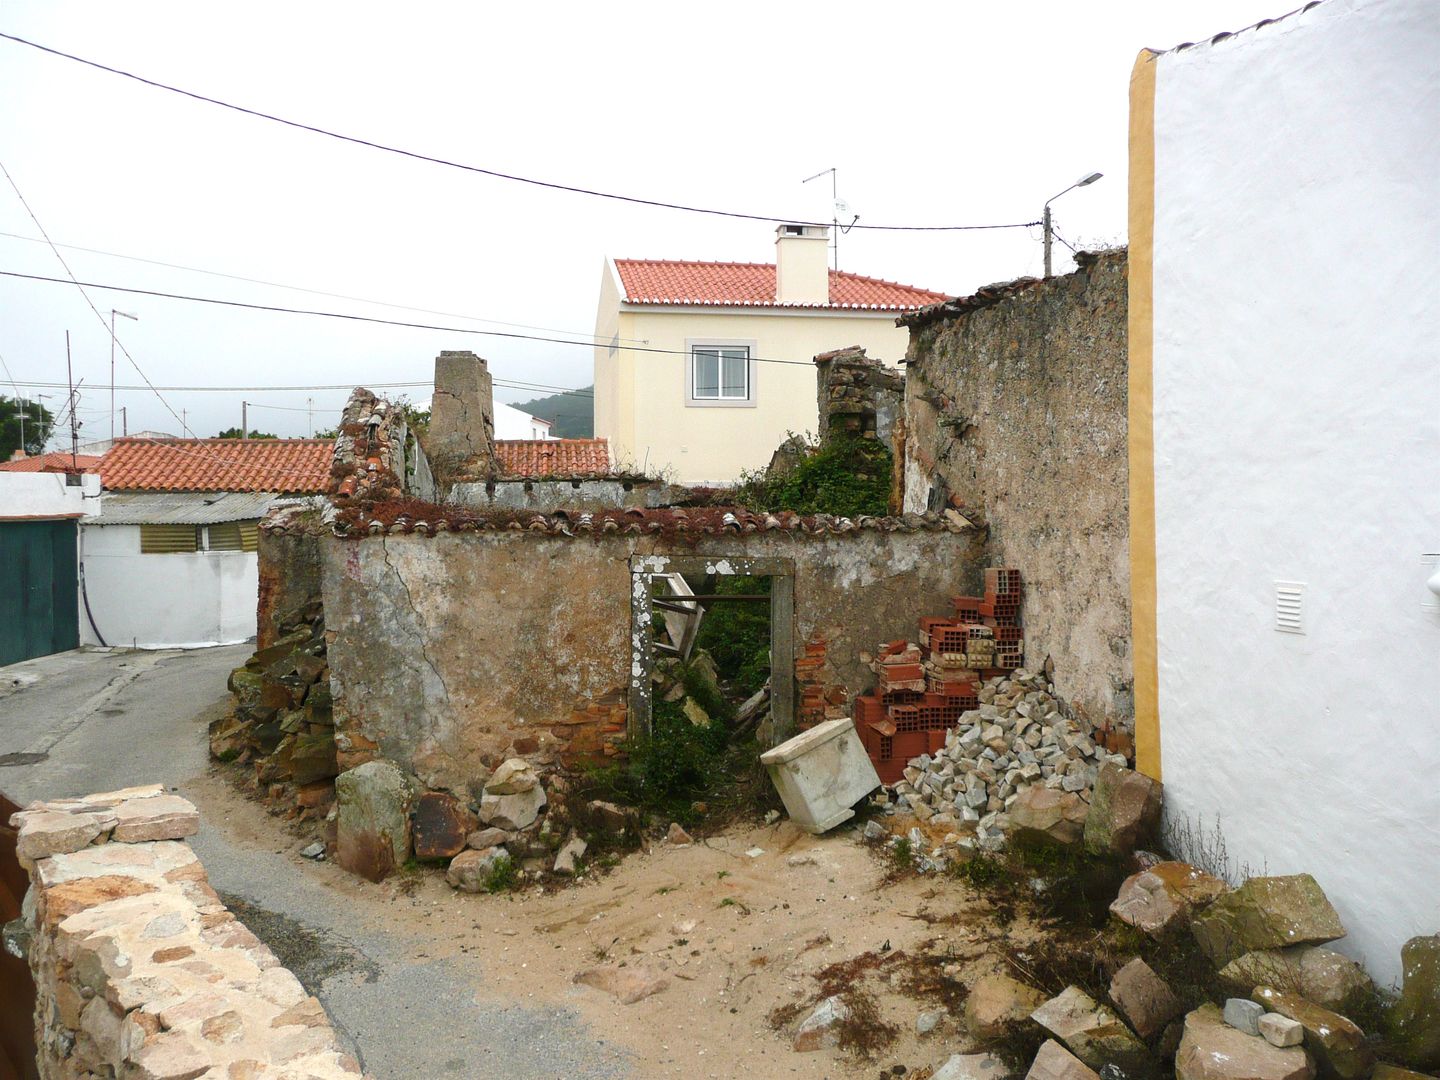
(552, 457)
(280, 465)
(720, 284)
(55, 461)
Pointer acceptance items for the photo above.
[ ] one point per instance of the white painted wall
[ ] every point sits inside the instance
(512, 423)
(41, 495)
(184, 600)
(1297, 437)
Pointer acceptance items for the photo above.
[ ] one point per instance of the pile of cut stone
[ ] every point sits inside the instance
(1021, 737)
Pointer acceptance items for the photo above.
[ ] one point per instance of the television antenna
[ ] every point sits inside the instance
(841, 210)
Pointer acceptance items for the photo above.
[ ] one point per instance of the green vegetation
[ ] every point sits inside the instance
(502, 876)
(737, 634)
(847, 477)
(38, 423)
(572, 415)
(236, 433)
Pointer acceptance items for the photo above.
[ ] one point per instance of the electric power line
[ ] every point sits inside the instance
(36, 383)
(415, 155)
(364, 319)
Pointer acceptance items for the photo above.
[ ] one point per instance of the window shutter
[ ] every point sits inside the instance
(226, 536)
(168, 539)
(249, 535)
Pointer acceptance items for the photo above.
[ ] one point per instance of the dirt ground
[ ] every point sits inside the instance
(739, 925)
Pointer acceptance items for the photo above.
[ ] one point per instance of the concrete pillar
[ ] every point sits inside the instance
(461, 438)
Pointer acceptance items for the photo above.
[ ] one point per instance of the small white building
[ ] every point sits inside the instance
(170, 562)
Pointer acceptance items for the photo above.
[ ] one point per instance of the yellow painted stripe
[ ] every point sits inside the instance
(1142, 414)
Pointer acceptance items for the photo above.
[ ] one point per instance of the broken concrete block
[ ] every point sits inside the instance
(1266, 913)
(821, 774)
(630, 984)
(471, 870)
(373, 819)
(1146, 999)
(1280, 1030)
(1213, 1050)
(821, 1028)
(1054, 1062)
(512, 811)
(1165, 896)
(513, 776)
(1060, 815)
(997, 1001)
(971, 1067)
(442, 825)
(1243, 1015)
(1337, 1043)
(1317, 974)
(1091, 1031)
(1124, 810)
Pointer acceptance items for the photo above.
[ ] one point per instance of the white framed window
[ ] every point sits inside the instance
(720, 373)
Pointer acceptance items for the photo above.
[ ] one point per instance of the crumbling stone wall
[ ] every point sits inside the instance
(452, 652)
(1016, 412)
(290, 572)
(858, 395)
(140, 970)
(461, 436)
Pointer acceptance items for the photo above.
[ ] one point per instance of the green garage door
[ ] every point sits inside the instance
(38, 613)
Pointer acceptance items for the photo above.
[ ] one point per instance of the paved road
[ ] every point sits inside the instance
(90, 721)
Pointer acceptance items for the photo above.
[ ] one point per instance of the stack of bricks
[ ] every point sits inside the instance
(819, 698)
(925, 688)
(593, 730)
(139, 969)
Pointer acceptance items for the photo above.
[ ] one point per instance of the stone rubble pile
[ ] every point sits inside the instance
(140, 970)
(283, 726)
(1020, 740)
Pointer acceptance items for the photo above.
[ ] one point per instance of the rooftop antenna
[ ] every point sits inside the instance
(841, 210)
(74, 418)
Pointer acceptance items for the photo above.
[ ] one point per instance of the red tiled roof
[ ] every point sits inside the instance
(55, 461)
(719, 284)
(279, 465)
(553, 457)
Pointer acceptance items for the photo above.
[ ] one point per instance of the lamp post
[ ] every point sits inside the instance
(124, 315)
(1084, 181)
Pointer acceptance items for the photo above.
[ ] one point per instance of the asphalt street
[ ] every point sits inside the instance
(95, 720)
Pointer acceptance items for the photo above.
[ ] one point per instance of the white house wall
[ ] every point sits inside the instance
(1297, 438)
(174, 600)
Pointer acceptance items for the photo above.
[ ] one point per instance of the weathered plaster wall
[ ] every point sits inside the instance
(1017, 411)
(545, 496)
(1296, 436)
(446, 650)
(290, 576)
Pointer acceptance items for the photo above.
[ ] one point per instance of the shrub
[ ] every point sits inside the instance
(847, 477)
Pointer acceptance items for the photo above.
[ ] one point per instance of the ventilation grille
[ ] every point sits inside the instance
(1290, 607)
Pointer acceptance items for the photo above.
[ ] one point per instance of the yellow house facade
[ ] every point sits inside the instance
(703, 368)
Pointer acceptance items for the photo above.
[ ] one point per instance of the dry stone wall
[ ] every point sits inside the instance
(1015, 412)
(141, 972)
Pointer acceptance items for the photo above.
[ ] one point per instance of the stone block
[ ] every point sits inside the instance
(997, 1001)
(1054, 1062)
(1266, 913)
(971, 1067)
(470, 870)
(1124, 810)
(1091, 1031)
(312, 757)
(1280, 1030)
(1243, 1015)
(1416, 1015)
(513, 776)
(821, 774)
(1338, 1045)
(42, 833)
(1146, 999)
(160, 817)
(1317, 974)
(1060, 815)
(1165, 896)
(1211, 1049)
(513, 812)
(629, 984)
(373, 819)
(441, 826)
(568, 857)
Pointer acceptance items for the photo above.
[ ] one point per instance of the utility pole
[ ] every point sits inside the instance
(309, 417)
(1045, 220)
(127, 315)
(124, 423)
(74, 419)
(244, 420)
(1049, 232)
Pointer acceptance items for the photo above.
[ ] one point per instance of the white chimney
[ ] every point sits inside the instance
(802, 264)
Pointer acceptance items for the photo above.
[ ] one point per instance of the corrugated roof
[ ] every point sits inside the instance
(182, 507)
(55, 461)
(721, 284)
(273, 465)
(552, 457)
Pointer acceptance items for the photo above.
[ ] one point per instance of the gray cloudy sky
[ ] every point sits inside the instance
(943, 113)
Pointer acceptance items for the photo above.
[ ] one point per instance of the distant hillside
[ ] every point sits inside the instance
(573, 415)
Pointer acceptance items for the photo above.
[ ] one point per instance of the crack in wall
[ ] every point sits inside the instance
(419, 619)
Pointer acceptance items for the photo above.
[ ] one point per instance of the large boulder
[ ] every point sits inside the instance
(1054, 1062)
(373, 819)
(1165, 897)
(442, 824)
(1336, 1042)
(1060, 815)
(1416, 1017)
(997, 1001)
(1146, 999)
(1266, 913)
(1323, 976)
(1092, 1032)
(1211, 1049)
(1124, 810)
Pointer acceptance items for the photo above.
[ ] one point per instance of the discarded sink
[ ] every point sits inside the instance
(821, 774)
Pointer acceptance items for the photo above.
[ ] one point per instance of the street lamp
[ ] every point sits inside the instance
(124, 315)
(1084, 181)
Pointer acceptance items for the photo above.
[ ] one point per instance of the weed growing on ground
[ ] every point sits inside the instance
(502, 876)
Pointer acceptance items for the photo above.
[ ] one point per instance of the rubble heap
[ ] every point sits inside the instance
(283, 726)
(1020, 736)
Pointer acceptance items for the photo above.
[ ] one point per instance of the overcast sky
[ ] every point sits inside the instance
(934, 114)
